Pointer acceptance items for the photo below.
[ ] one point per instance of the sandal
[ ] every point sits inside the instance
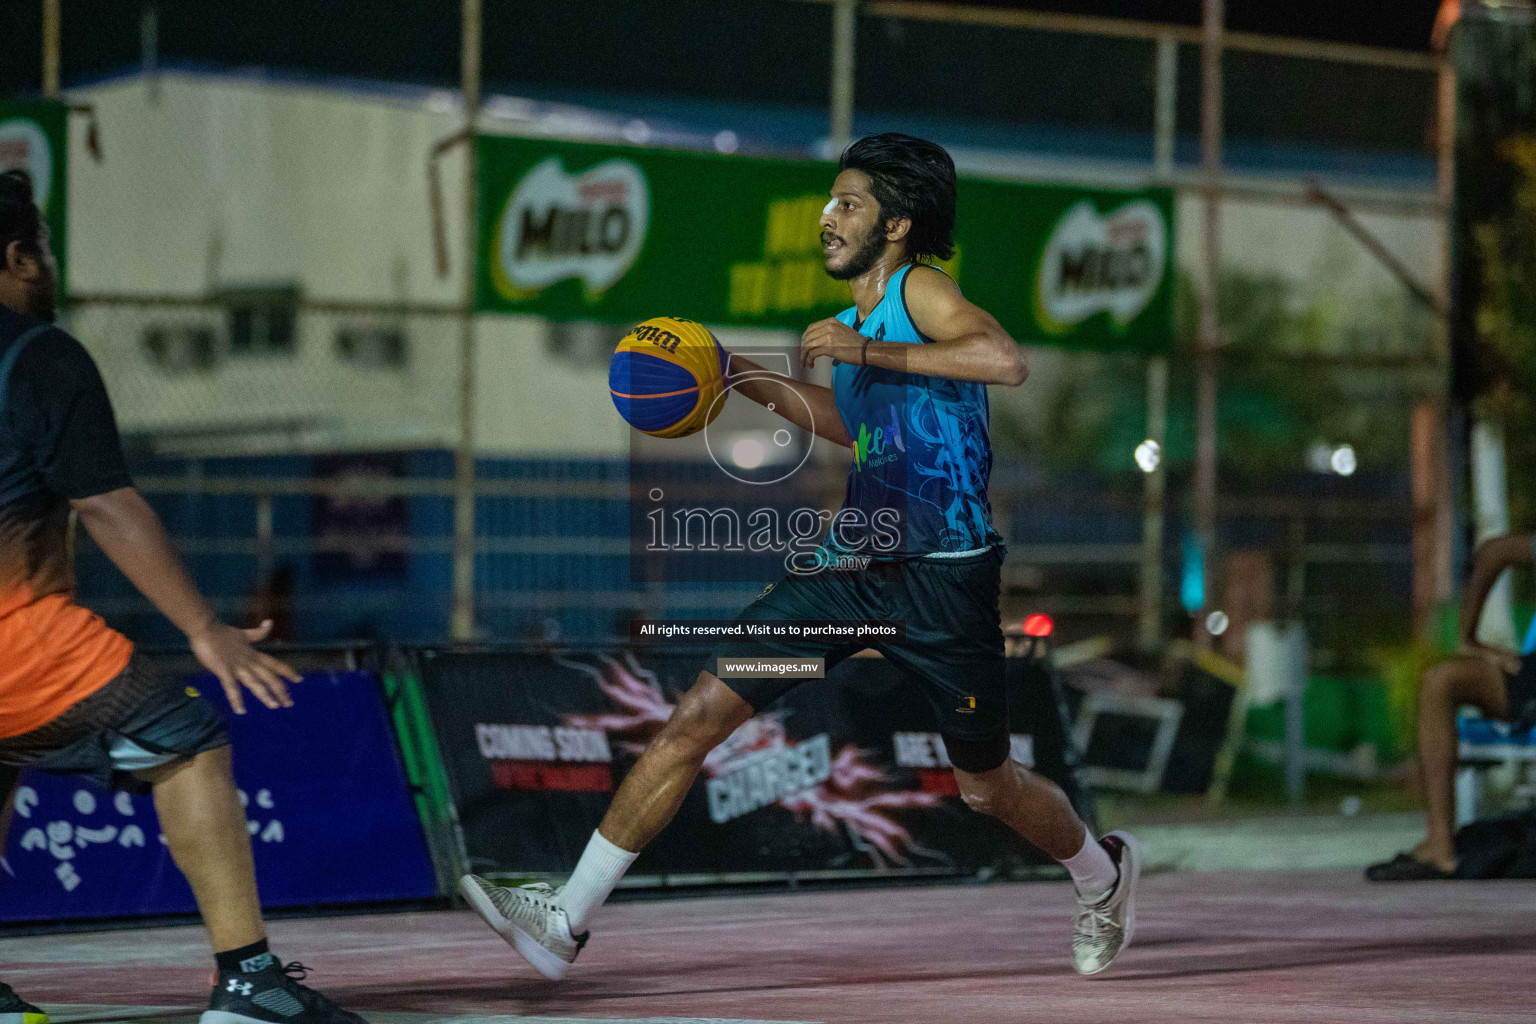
(1405, 867)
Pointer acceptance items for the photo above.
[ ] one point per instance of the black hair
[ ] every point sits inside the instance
(20, 220)
(911, 179)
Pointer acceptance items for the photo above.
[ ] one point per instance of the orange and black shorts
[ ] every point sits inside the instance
(140, 720)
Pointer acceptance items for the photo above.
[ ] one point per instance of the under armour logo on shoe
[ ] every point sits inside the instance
(239, 987)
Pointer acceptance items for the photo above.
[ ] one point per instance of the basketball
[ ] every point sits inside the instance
(667, 376)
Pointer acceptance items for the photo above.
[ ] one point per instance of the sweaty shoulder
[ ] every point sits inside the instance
(929, 280)
(930, 296)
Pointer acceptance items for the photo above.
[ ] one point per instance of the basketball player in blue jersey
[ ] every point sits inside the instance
(911, 364)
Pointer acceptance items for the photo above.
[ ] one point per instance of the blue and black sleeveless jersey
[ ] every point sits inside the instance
(921, 450)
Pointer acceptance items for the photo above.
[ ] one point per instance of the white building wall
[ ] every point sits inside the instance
(226, 180)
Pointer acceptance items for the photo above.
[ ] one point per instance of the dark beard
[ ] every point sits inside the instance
(42, 300)
(44, 307)
(863, 259)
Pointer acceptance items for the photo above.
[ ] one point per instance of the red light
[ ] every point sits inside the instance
(1038, 625)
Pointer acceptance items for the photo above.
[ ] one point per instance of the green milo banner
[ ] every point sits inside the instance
(34, 138)
(615, 233)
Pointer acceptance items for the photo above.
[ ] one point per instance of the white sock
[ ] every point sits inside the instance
(1093, 872)
(601, 866)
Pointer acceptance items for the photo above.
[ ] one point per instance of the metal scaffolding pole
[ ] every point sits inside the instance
(462, 624)
(1441, 577)
(1166, 107)
(844, 24)
(51, 49)
(1150, 627)
(1210, 326)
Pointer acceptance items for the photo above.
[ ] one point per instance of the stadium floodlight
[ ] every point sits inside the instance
(1149, 455)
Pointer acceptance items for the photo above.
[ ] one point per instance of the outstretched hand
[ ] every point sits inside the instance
(228, 653)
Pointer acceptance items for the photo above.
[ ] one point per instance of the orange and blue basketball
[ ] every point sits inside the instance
(667, 376)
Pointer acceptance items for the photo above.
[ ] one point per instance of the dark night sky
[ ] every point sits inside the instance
(756, 48)
(1399, 24)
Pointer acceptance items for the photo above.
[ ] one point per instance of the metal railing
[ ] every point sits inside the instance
(591, 557)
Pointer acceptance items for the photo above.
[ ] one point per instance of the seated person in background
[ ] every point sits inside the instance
(1497, 682)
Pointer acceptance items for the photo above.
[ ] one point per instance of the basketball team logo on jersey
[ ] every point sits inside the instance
(1100, 263)
(870, 443)
(558, 226)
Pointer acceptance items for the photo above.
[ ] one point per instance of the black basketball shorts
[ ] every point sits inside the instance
(953, 651)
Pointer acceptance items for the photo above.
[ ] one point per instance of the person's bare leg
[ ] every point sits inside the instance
(646, 801)
(1465, 679)
(1104, 872)
(654, 789)
(8, 777)
(1027, 802)
(204, 825)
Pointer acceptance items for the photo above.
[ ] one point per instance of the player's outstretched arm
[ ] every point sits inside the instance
(124, 526)
(967, 343)
(766, 388)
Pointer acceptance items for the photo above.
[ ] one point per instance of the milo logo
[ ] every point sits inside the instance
(558, 226)
(1094, 263)
(24, 147)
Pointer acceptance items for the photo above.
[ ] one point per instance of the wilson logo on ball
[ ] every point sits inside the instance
(660, 337)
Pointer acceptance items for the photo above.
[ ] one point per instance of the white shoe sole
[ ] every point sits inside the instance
(542, 960)
(225, 1017)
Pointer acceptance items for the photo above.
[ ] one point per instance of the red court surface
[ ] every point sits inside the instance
(1310, 947)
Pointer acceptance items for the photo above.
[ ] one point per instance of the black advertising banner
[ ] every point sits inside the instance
(846, 774)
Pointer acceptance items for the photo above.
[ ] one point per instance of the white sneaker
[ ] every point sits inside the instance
(530, 919)
(1103, 928)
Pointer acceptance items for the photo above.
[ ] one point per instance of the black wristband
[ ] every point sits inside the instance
(864, 353)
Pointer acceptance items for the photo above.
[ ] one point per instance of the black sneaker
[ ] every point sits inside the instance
(271, 995)
(15, 1010)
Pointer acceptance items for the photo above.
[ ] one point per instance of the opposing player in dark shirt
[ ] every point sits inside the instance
(74, 698)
